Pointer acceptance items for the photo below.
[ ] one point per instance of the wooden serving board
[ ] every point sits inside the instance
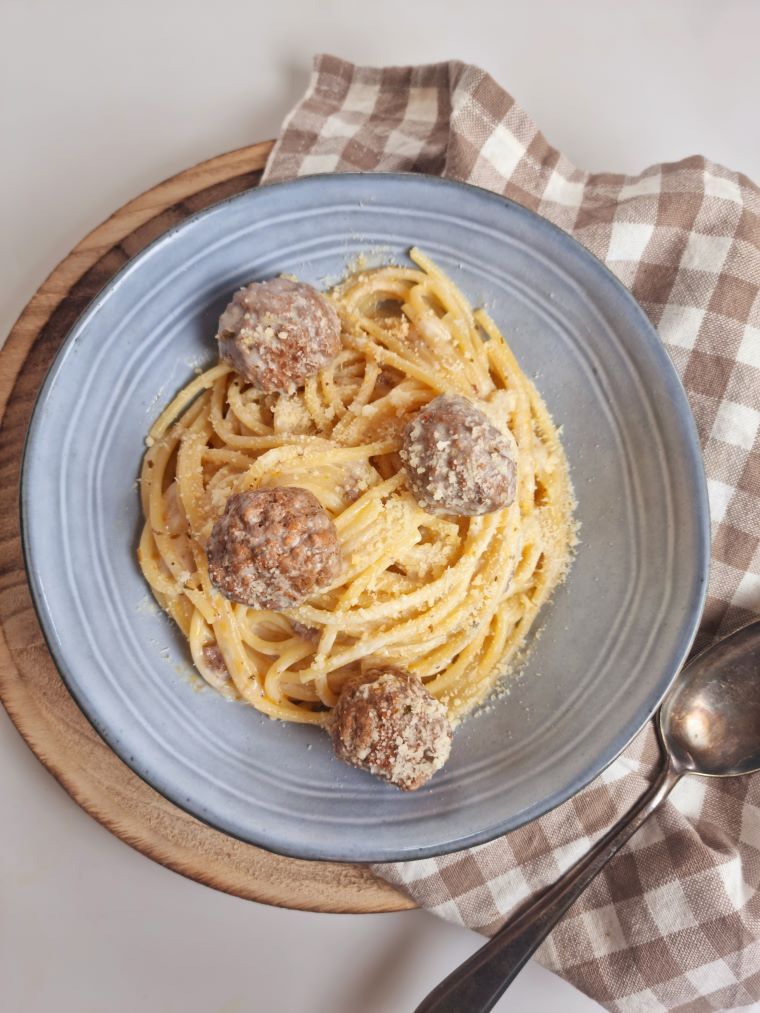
(30, 687)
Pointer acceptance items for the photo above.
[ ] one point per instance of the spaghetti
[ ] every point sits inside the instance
(449, 599)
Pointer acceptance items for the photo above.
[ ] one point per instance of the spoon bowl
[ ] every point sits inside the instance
(710, 720)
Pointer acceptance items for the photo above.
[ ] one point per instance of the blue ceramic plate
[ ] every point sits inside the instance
(613, 638)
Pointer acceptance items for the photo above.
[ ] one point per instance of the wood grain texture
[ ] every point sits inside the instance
(31, 689)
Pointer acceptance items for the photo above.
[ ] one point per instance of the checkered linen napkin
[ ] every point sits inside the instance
(673, 923)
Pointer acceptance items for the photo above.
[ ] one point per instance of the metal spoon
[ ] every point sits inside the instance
(709, 724)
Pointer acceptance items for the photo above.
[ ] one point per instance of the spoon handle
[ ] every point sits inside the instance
(477, 984)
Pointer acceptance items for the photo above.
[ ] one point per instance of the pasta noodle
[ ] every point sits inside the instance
(450, 599)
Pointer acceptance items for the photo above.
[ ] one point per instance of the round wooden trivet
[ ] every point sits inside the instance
(31, 689)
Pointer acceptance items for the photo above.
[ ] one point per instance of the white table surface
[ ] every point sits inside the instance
(100, 100)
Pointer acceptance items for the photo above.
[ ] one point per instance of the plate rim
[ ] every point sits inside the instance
(688, 626)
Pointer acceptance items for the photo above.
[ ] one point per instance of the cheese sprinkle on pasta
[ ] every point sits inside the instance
(449, 599)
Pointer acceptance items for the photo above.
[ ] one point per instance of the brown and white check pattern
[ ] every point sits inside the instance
(674, 922)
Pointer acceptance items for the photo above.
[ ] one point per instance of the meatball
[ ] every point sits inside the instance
(457, 462)
(392, 727)
(272, 548)
(278, 333)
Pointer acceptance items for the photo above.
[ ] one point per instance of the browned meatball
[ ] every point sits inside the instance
(456, 461)
(272, 548)
(392, 727)
(278, 333)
